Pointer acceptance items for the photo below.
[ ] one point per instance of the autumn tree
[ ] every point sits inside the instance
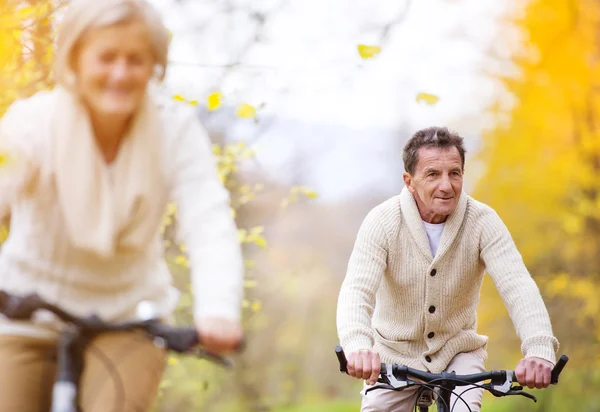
(542, 164)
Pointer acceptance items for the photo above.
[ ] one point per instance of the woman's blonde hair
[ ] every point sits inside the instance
(83, 15)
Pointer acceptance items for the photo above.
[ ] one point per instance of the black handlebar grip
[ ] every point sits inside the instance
(558, 368)
(342, 359)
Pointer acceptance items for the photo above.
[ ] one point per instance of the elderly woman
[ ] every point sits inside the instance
(91, 166)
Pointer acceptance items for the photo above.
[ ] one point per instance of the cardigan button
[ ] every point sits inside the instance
(431, 309)
(428, 359)
(433, 272)
(431, 335)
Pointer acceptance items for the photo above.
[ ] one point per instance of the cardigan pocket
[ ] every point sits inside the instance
(401, 347)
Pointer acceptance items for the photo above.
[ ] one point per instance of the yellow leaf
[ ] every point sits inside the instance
(427, 98)
(181, 260)
(179, 98)
(250, 284)
(368, 52)
(4, 157)
(257, 230)
(194, 102)
(26, 12)
(256, 306)
(246, 111)
(248, 153)
(213, 102)
(260, 241)
(311, 194)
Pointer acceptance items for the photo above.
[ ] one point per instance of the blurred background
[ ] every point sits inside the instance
(309, 103)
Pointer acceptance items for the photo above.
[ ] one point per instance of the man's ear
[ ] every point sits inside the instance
(408, 182)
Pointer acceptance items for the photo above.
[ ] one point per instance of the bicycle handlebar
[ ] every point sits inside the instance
(397, 377)
(177, 339)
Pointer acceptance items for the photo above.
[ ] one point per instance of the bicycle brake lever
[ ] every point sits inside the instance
(522, 393)
(203, 353)
(392, 380)
(372, 388)
(511, 392)
(506, 386)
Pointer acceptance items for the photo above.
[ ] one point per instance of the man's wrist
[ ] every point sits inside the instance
(541, 352)
(358, 343)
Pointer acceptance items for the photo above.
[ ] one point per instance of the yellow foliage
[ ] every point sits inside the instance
(368, 52)
(24, 70)
(180, 98)
(295, 194)
(430, 99)
(246, 111)
(4, 157)
(213, 102)
(542, 158)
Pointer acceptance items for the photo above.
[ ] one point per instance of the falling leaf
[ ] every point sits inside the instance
(368, 52)
(246, 111)
(214, 100)
(179, 98)
(430, 99)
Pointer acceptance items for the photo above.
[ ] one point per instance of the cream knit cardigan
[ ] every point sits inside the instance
(419, 310)
(39, 258)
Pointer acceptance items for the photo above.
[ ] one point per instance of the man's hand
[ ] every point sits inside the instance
(364, 364)
(534, 372)
(219, 336)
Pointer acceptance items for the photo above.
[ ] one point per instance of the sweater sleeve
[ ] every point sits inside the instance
(366, 268)
(518, 290)
(206, 225)
(17, 156)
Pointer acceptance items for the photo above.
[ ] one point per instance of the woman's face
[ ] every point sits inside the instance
(113, 66)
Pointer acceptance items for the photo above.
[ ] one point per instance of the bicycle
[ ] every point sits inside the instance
(398, 377)
(72, 341)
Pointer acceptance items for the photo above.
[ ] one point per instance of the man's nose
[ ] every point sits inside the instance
(445, 184)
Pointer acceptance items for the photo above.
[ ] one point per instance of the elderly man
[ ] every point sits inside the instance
(412, 287)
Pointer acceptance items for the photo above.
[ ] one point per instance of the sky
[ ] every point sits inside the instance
(334, 109)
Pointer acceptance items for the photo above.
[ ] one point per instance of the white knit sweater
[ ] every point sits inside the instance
(38, 257)
(420, 311)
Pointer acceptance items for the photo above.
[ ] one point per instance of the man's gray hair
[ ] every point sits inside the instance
(431, 137)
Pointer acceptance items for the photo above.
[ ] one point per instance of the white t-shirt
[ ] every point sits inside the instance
(434, 233)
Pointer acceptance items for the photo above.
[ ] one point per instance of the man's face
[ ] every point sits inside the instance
(437, 182)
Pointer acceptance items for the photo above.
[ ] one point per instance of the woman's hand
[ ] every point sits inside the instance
(219, 336)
